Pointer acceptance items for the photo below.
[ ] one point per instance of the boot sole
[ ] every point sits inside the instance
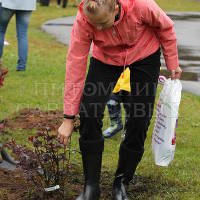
(114, 133)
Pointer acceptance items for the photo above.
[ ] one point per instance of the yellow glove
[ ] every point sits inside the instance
(123, 82)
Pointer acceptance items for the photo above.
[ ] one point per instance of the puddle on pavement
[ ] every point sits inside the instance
(187, 29)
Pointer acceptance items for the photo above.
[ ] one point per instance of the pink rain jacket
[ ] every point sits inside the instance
(139, 32)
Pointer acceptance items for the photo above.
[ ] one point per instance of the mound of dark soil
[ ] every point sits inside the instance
(35, 119)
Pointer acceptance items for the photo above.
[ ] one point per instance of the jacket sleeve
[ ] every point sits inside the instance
(155, 17)
(76, 64)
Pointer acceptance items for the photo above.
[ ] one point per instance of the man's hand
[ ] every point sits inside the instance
(176, 74)
(65, 130)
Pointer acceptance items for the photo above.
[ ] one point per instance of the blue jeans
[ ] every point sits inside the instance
(22, 23)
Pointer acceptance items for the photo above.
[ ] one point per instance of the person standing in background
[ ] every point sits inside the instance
(22, 10)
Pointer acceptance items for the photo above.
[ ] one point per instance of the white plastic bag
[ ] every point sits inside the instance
(164, 133)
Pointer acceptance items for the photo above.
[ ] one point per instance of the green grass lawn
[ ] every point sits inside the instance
(42, 86)
(179, 5)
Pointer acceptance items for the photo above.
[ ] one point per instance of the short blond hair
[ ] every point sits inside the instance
(94, 6)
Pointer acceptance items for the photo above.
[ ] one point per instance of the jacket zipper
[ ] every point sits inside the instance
(116, 32)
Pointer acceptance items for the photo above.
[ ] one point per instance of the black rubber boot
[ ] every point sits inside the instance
(92, 169)
(127, 164)
(120, 188)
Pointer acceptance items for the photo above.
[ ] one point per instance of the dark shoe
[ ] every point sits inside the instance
(21, 69)
(112, 130)
(64, 3)
(119, 191)
(91, 192)
(127, 164)
(92, 169)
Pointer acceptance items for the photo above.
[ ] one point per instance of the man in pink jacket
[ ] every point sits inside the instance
(124, 34)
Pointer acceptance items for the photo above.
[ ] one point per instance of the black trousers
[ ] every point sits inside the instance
(139, 104)
(64, 4)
